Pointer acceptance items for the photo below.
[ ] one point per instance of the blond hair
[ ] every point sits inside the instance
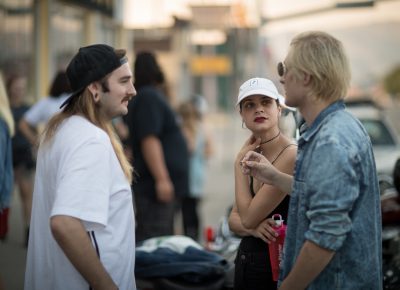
(5, 111)
(323, 57)
(189, 116)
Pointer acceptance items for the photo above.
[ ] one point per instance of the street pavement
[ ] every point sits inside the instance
(228, 137)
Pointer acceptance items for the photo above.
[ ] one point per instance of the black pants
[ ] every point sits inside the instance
(253, 272)
(153, 218)
(190, 217)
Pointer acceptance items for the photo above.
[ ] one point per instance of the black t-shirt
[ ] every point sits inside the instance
(150, 114)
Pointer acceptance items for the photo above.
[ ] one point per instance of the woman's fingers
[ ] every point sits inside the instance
(270, 231)
(266, 231)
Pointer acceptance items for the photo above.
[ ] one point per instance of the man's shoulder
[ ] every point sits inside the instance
(341, 120)
(80, 128)
(345, 131)
(148, 94)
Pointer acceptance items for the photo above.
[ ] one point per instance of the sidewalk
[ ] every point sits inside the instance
(12, 251)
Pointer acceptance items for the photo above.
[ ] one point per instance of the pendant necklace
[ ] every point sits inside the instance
(258, 149)
(272, 139)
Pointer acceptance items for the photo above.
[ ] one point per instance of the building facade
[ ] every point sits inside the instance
(39, 37)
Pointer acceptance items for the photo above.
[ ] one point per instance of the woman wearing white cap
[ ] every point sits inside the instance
(260, 107)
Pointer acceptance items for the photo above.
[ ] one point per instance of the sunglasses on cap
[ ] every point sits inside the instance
(281, 69)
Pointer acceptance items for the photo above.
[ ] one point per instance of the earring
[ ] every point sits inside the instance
(243, 125)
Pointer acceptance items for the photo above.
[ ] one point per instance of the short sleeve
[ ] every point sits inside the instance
(83, 190)
(34, 116)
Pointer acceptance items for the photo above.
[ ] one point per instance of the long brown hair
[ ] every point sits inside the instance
(84, 105)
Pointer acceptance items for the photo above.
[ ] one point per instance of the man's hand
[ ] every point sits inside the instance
(165, 190)
(259, 167)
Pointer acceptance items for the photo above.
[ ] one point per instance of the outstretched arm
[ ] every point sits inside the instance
(28, 132)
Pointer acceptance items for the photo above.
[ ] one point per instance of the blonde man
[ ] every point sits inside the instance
(82, 226)
(333, 238)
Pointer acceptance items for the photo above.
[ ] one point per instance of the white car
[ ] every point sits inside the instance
(384, 138)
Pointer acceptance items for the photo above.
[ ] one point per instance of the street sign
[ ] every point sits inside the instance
(211, 65)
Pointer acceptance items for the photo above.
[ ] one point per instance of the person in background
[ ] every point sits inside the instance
(160, 154)
(333, 238)
(44, 109)
(83, 225)
(6, 169)
(390, 204)
(396, 175)
(23, 160)
(200, 146)
(260, 107)
(6, 177)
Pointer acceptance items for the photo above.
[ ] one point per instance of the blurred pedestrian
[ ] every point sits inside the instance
(396, 175)
(390, 204)
(6, 169)
(160, 154)
(260, 107)
(200, 149)
(82, 224)
(44, 109)
(23, 160)
(333, 238)
(6, 176)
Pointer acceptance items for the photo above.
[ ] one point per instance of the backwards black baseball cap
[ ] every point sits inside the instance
(90, 64)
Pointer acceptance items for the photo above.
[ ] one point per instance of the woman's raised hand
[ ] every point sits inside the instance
(251, 144)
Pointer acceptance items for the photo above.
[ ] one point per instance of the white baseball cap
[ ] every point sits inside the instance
(260, 86)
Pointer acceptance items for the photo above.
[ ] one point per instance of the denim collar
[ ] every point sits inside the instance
(309, 132)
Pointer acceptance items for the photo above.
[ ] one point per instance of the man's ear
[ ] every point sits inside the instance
(306, 79)
(94, 90)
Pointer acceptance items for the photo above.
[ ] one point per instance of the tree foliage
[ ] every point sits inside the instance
(392, 82)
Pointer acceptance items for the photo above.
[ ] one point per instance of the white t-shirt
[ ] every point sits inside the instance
(78, 174)
(44, 109)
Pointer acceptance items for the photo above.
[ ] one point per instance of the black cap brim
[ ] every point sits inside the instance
(69, 99)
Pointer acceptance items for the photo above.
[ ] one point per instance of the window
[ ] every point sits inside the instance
(378, 132)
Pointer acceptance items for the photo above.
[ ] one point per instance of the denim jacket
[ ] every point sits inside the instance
(6, 170)
(335, 202)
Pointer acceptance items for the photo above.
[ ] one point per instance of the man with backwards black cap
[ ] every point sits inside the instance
(82, 227)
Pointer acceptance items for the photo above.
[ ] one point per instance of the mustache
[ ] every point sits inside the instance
(127, 98)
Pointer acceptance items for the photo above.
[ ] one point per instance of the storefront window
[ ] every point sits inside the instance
(67, 34)
(16, 37)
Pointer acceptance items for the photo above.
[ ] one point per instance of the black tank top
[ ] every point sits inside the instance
(253, 244)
